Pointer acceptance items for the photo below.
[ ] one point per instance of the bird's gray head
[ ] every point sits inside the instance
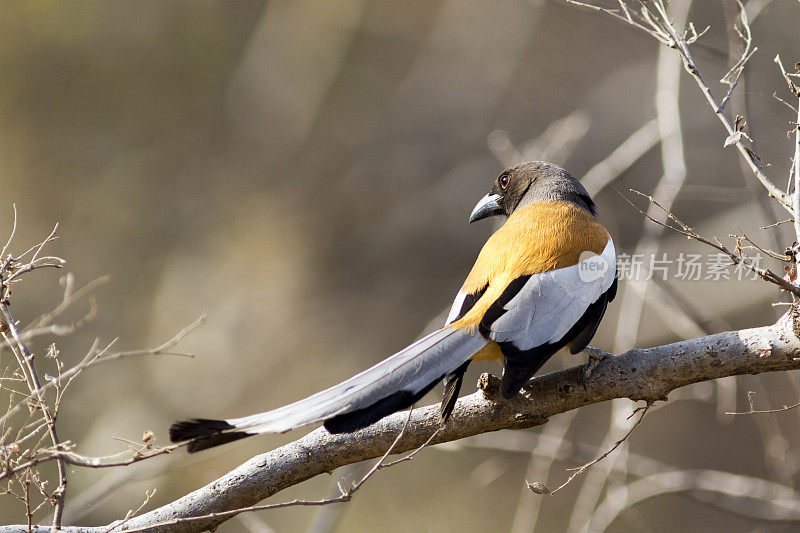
(526, 183)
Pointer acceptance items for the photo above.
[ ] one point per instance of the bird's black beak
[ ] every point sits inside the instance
(487, 206)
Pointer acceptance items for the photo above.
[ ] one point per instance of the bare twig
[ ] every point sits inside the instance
(731, 78)
(26, 362)
(645, 22)
(20, 460)
(11, 235)
(753, 411)
(795, 90)
(763, 273)
(580, 470)
(660, 27)
(94, 358)
(784, 102)
(795, 170)
(64, 453)
(148, 495)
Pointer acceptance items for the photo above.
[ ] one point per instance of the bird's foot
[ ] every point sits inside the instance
(490, 385)
(595, 356)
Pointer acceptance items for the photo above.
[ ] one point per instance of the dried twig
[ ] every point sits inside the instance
(95, 357)
(731, 78)
(22, 450)
(753, 411)
(660, 27)
(795, 169)
(580, 470)
(644, 21)
(64, 453)
(764, 273)
(10, 270)
(148, 495)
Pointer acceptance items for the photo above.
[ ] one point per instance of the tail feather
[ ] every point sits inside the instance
(366, 416)
(393, 384)
(204, 433)
(452, 386)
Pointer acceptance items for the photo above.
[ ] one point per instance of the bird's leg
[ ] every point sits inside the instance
(595, 356)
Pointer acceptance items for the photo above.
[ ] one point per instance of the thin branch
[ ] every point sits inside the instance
(763, 273)
(148, 495)
(795, 90)
(65, 454)
(662, 29)
(26, 362)
(753, 411)
(742, 238)
(731, 78)
(644, 23)
(11, 235)
(795, 170)
(42, 244)
(580, 470)
(93, 359)
(784, 102)
(24, 462)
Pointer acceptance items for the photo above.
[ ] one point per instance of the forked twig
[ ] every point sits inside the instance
(540, 488)
(763, 273)
(660, 27)
(753, 411)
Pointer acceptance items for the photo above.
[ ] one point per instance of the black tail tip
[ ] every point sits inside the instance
(196, 428)
(204, 433)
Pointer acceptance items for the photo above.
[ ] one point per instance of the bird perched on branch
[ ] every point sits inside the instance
(541, 283)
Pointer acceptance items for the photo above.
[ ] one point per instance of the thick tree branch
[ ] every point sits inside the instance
(646, 374)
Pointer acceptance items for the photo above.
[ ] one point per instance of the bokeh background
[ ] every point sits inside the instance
(303, 172)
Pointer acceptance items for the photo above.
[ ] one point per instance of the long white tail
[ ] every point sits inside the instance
(391, 385)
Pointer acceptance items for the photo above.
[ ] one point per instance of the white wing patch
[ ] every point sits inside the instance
(457, 304)
(550, 303)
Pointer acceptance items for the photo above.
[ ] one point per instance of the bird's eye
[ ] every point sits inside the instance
(503, 181)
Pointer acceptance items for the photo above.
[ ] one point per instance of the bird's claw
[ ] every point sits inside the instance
(595, 356)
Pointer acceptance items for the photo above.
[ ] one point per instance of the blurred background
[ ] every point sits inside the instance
(303, 172)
